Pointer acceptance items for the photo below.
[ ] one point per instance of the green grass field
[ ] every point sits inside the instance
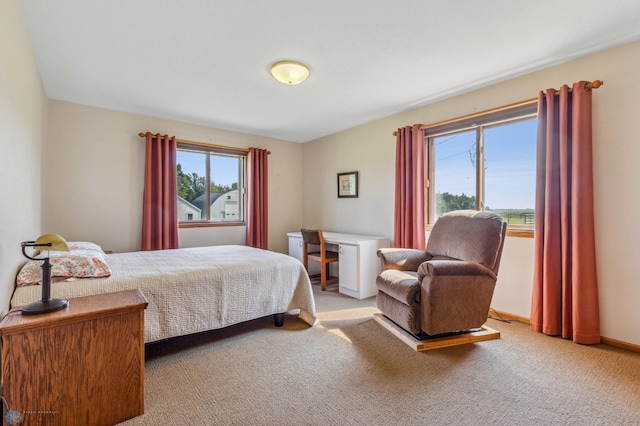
(516, 216)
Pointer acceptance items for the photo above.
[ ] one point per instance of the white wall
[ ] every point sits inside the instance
(23, 123)
(94, 191)
(369, 149)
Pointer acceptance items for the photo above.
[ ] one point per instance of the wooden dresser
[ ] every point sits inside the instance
(83, 365)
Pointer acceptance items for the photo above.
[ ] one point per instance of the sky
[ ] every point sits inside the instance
(510, 164)
(224, 170)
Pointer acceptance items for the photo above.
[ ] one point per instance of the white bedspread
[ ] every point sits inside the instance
(196, 289)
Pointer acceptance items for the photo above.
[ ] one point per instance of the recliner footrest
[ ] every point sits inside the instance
(406, 316)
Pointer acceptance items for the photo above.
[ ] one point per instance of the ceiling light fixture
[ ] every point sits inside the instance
(290, 72)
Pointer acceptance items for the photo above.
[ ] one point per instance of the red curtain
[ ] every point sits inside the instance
(160, 200)
(257, 198)
(409, 201)
(565, 288)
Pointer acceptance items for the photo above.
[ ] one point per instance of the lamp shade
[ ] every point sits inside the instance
(290, 72)
(51, 242)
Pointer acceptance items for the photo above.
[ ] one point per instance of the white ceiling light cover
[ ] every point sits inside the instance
(290, 72)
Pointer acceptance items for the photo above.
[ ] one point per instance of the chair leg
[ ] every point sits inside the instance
(323, 276)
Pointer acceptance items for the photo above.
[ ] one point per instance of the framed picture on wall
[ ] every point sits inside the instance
(348, 185)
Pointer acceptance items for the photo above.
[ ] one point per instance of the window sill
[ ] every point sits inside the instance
(204, 224)
(520, 233)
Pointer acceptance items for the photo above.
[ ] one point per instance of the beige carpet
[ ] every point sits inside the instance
(348, 370)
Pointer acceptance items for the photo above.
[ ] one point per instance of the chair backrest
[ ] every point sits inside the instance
(469, 235)
(315, 237)
(311, 236)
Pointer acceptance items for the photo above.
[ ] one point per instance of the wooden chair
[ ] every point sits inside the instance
(322, 255)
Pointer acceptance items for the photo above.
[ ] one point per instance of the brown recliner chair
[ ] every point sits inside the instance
(447, 288)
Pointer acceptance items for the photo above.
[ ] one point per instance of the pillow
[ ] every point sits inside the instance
(81, 245)
(84, 260)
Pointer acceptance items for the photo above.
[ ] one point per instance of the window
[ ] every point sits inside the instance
(485, 162)
(219, 170)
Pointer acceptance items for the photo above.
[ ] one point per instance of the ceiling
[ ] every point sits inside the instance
(207, 61)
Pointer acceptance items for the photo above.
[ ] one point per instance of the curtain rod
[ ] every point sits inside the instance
(589, 86)
(210, 145)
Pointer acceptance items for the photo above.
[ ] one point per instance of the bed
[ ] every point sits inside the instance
(192, 289)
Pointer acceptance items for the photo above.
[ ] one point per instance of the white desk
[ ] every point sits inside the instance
(358, 266)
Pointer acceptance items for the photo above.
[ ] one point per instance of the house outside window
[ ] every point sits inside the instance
(484, 162)
(210, 185)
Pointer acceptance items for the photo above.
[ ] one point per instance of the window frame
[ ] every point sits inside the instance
(219, 150)
(506, 114)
